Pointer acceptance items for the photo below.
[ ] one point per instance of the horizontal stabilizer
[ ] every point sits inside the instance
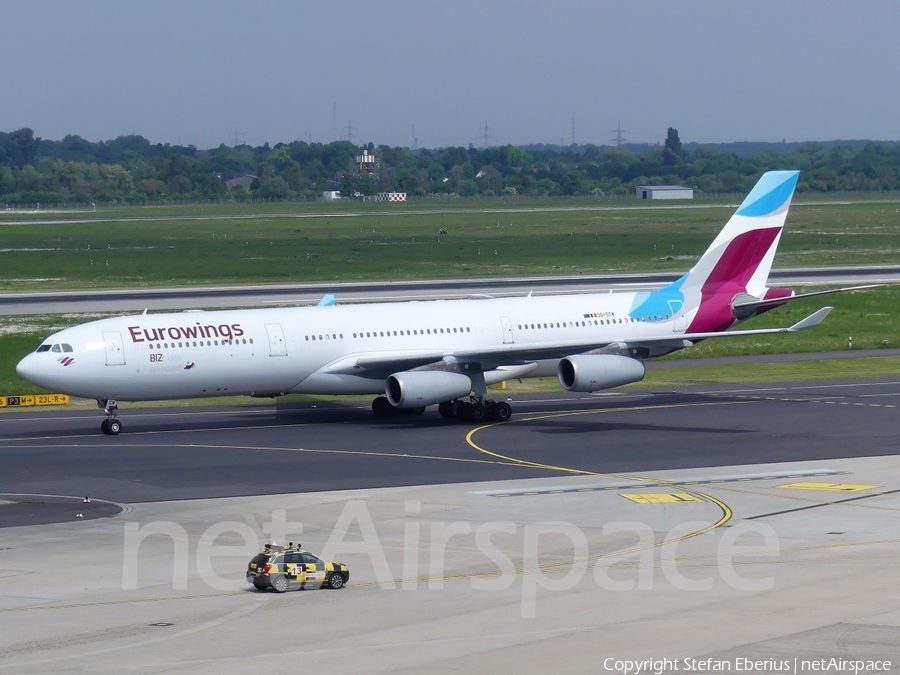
(780, 301)
(812, 321)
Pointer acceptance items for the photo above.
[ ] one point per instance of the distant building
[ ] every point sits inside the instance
(244, 181)
(332, 195)
(664, 192)
(390, 197)
(366, 163)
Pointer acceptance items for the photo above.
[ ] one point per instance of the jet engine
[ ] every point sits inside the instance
(592, 372)
(414, 389)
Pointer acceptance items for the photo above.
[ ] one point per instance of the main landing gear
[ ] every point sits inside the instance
(110, 426)
(476, 410)
(465, 411)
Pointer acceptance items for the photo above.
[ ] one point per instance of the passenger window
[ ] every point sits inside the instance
(251, 341)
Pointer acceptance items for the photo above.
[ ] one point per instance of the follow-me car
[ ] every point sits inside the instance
(416, 354)
(279, 567)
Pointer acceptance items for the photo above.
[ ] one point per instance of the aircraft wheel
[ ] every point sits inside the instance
(383, 408)
(478, 412)
(463, 410)
(501, 411)
(104, 427)
(114, 426)
(446, 409)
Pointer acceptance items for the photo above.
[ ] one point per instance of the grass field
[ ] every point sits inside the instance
(234, 244)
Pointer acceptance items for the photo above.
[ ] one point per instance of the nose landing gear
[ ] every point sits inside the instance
(110, 426)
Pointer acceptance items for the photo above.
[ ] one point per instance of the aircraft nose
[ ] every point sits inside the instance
(29, 369)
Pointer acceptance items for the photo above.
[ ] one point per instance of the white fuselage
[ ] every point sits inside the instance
(276, 351)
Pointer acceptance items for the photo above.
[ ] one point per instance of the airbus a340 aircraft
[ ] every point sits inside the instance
(417, 354)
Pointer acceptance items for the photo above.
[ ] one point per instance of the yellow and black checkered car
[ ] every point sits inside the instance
(279, 567)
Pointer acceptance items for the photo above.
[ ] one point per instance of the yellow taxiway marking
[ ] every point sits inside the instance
(831, 487)
(263, 448)
(726, 512)
(661, 497)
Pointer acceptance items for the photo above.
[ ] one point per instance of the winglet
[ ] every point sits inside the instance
(326, 301)
(811, 321)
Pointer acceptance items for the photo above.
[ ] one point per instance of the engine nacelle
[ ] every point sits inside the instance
(592, 372)
(414, 389)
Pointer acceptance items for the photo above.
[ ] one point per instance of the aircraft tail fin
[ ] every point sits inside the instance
(741, 255)
(737, 263)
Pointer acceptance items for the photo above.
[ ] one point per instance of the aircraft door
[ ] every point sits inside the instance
(115, 355)
(677, 309)
(507, 330)
(277, 345)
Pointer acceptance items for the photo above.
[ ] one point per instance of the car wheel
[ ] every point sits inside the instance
(280, 584)
(260, 587)
(335, 580)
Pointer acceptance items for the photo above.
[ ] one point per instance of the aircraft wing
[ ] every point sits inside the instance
(380, 365)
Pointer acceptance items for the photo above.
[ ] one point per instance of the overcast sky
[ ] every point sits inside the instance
(196, 71)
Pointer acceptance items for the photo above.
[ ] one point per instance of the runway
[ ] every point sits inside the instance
(210, 452)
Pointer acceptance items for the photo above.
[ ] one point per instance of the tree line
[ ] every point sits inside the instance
(131, 169)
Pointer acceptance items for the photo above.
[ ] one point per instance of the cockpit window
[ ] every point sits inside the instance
(43, 348)
(67, 348)
(56, 349)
